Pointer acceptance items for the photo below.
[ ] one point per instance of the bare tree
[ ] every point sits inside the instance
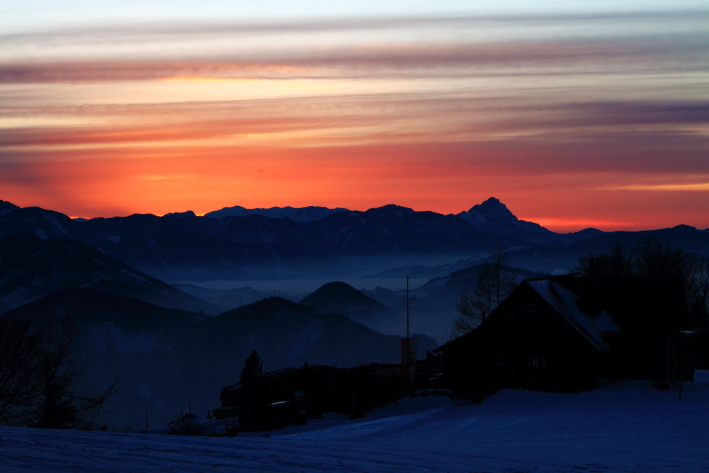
(19, 363)
(617, 262)
(495, 282)
(650, 258)
(42, 382)
(65, 399)
(653, 259)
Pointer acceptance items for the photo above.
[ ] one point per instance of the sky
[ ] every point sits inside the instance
(574, 114)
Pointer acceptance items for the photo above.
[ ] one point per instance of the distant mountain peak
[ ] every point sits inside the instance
(492, 207)
(269, 307)
(494, 217)
(298, 214)
(393, 208)
(338, 289)
(189, 213)
(341, 298)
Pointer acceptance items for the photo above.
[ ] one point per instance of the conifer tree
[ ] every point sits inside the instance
(253, 369)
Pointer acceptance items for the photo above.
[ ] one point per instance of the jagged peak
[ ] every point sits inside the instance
(492, 207)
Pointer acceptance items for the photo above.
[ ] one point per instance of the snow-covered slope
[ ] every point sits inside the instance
(626, 428)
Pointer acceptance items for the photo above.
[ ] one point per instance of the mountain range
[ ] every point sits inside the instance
(183, 246)
(315, 241)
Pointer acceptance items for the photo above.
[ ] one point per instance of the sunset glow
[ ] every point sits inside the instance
(590, 118)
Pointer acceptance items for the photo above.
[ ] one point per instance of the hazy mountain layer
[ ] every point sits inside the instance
(341, 298)
(166, 358)
(31, 267)
(558, 258)
(226, 299)
(432, 306)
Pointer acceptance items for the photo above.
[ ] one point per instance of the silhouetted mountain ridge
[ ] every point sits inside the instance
(494, 217)
(300, 215)
(7, 207)
(183, 246)
(91, 306)
(341, 298)
(31, 267)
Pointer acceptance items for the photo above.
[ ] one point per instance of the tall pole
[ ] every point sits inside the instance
(407, 307)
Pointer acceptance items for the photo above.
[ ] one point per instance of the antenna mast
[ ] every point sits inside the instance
(407, 307)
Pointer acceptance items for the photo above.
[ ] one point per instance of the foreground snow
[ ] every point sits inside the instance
(627, 428)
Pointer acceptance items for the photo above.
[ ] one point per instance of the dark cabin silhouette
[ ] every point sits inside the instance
(562, 333)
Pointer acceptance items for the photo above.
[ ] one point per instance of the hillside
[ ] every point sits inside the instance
(341, 298)
(31, 267)
(167, 358)
(432, 305)
(557, 258)
(295, 334)
(150, 350)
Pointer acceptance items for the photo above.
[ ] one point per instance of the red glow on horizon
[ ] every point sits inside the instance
(119, 181)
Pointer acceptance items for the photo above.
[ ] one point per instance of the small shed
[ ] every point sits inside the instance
(562, 333)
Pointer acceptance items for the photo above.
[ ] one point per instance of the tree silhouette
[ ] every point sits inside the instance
(65, 400)
(20, 383)
(253, 369)
(649, 258)
(495, 283)
(42, 376)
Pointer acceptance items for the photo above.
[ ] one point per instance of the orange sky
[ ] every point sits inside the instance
(569, 130)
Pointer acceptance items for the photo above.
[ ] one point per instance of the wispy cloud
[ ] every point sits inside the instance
(648, 54)
(701, 186)
(553, 114)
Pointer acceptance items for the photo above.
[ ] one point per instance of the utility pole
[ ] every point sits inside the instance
(407, 307)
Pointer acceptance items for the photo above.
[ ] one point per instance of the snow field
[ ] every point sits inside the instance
(629, 427)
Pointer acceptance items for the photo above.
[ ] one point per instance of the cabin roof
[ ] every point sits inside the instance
(596, 306)
(567, 304)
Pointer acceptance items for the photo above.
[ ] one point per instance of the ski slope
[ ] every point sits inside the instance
(631, 427)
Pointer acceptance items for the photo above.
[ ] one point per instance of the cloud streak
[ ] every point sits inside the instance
(647, 54)
(558, 116)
